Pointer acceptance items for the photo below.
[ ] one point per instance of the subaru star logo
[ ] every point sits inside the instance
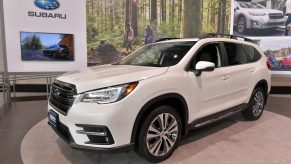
(56, 92)
(47, 4)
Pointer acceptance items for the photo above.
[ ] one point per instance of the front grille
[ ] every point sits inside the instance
(276, 23)
(62, 96)
(276, 16)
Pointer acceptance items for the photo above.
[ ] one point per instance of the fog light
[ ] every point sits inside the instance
(99, 135)
(254, 23)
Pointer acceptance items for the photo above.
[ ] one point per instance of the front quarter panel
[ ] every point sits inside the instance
(172, 82)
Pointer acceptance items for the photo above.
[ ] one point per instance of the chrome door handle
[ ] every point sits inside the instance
(252, 70)
(225, 77)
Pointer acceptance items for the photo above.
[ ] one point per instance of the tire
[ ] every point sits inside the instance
(241, 25)
(256, 105)
(156, 141)
(283, 66)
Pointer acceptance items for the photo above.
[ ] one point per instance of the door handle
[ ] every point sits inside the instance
(252, 70)
(225, 77)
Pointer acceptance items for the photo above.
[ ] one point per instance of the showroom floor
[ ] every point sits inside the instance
(26, 137)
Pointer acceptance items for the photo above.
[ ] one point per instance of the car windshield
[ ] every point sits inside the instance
(250, 5)
(163, 54)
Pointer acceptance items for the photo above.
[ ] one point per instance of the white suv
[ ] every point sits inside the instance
(152, 98)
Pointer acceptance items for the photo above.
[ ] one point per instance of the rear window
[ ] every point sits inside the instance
(241, 54)
(252, 53)
(236, 54)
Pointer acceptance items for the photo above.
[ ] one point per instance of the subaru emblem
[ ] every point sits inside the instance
(47, 4)
(56, 92)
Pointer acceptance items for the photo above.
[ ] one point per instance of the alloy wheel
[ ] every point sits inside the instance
(162, 134)
(241, 25)
(258, 103)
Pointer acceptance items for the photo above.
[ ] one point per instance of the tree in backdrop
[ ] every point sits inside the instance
(107, 19)
(31, 43)
(192, 18)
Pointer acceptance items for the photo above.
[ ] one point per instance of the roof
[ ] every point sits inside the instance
(210, 36)
(179, 40)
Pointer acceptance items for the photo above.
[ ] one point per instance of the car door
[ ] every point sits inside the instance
(209, 91)
(241, 74)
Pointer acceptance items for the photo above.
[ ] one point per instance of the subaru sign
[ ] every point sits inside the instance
(47, 4)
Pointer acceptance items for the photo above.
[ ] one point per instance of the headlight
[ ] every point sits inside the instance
(257, 14)
(110, 94)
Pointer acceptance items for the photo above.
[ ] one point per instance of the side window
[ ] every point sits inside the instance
(236, 54)
(210, 53)
(252, 53)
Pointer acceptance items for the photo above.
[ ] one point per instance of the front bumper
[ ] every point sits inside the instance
(117, 117)
(62, 54)
(257, 22)
(66, 136)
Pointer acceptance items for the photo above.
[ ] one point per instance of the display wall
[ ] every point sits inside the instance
(102, 24)
(1, 52)
(264, 21)
(107, 21)
(45, 36)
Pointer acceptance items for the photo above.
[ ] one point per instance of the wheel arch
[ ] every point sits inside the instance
(246, 21)
(264, 84)
(173, 99)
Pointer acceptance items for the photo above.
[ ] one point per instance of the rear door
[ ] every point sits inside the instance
(241, 71)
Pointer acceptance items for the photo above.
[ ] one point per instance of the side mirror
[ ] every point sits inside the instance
(203, 66)
(236, 8)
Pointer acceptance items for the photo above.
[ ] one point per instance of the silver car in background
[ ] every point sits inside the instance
(251, 15)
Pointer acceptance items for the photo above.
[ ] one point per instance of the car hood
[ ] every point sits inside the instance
(109, 75)
(267, 11)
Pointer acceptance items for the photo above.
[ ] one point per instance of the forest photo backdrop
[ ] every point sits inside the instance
(107, 21)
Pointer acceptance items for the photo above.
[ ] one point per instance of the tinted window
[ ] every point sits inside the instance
(250, 5)
(252, 53)
(208, 53)
(236, 54)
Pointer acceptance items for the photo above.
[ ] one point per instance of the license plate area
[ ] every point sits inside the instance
(53, 119)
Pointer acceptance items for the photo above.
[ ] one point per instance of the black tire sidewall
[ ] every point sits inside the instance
(248, 113)
(142, 147)
(245, 29)
(281, 65)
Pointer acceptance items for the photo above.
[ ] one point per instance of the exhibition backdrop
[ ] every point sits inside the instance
(150, 20)
(51, 35)
(107, 20)
(265, 22)
(45, 35)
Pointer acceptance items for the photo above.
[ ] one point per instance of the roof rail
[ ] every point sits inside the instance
(164, 39)
(212, 35)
